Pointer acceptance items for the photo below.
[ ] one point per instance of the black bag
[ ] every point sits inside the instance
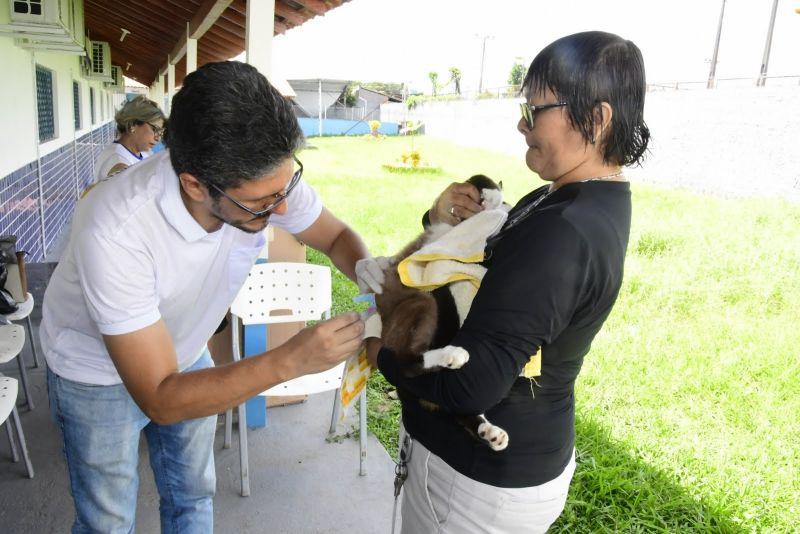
(8, 249)
(7, 303)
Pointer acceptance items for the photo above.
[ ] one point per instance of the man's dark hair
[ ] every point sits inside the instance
(585, 69)
(228, 124)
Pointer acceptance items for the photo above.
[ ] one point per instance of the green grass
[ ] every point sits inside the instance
(687, 405)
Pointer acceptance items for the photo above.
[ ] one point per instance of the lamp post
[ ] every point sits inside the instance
(762, 77)
(483, 56)
(713, 71)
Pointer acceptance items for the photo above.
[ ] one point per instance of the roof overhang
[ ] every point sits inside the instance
(145, 35)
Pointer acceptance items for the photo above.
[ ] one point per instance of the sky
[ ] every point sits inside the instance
(404, 40)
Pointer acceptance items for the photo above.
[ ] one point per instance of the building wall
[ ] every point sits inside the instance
(40, 183)
(310, 127)
(485, 123)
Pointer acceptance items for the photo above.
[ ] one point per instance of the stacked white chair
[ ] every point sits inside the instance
(299, 292)
(24, 312)
(12, 339)
(8, 407)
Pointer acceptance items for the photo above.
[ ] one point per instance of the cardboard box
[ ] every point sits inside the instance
(282, 246)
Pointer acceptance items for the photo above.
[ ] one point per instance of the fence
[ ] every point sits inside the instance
(38, 199)
(779, 81)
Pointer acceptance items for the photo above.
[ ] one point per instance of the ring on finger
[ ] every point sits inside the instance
(453, 211)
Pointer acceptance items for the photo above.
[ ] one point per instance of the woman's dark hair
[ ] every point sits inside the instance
(228, 124)
(585, 69)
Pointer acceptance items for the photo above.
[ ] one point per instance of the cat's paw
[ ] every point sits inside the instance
(450, 357)
(495, 437)
(492, 198)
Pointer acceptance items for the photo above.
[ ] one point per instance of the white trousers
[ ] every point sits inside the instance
(438, 499)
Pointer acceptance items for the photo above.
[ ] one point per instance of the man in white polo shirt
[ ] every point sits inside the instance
(155, 257)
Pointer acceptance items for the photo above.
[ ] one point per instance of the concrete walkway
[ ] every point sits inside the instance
(300, 483)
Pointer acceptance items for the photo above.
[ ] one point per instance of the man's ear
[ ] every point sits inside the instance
(602, 120)
(192, 187)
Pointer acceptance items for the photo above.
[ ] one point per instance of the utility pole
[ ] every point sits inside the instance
(712, 73)
(483, 56)
(762, 78)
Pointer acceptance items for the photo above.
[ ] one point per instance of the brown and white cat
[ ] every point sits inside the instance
(419, 325)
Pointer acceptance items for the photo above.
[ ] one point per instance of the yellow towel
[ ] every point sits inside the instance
(453, 256)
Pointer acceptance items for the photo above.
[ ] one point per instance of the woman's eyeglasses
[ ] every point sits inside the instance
(279, 197)
(158, 131)
(529, 111)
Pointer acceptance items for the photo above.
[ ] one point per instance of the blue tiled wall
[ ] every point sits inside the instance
(64, 174)
(19, 209)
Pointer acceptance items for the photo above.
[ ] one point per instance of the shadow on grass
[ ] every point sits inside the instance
(613, 491)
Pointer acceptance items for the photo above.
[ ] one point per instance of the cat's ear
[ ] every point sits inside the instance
(500, 185)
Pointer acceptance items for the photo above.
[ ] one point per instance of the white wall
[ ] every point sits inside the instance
(18, 137)
(17, 108)
(733, 141)
(485, 123)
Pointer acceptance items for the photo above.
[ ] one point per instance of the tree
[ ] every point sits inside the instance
(517, 74)
(348, 97)
(455, 79)
(396, 90)
(434, 77)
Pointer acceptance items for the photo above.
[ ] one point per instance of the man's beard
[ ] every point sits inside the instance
(239, 225)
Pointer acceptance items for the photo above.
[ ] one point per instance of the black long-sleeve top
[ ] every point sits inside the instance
(552, 280)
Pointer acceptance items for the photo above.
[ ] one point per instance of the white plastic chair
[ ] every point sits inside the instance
(297, 292)
(8, 406)
(24, 312)
(12, 339)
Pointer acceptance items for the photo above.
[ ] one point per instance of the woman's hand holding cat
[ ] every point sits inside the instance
(369, 274)
(458, 202)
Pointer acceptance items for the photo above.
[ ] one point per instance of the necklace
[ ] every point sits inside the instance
(606, 177)
(527, 210)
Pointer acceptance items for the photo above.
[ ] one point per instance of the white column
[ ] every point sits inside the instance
(258, 35)
(161, 86)
(156, 91)
(170, 86)
(191, 52)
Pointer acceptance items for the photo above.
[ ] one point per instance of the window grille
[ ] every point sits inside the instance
(28, 7)
(76, 104)
(91, 104)
(44, 104)
(98, 58)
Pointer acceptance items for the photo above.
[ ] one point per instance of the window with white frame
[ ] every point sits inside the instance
(76, 104)
(45, 103)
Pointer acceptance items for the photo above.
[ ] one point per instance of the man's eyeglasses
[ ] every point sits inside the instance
(158, 131)
(279, 197)
(529, 111)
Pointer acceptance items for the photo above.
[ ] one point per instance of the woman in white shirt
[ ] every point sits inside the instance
(140, 125)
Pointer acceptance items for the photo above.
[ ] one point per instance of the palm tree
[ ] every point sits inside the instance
(434, 77)
(455, 79)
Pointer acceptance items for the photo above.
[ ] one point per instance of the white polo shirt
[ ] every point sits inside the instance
(136, 255)
(111, 155)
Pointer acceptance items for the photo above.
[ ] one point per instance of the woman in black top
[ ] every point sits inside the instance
(554, 272)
